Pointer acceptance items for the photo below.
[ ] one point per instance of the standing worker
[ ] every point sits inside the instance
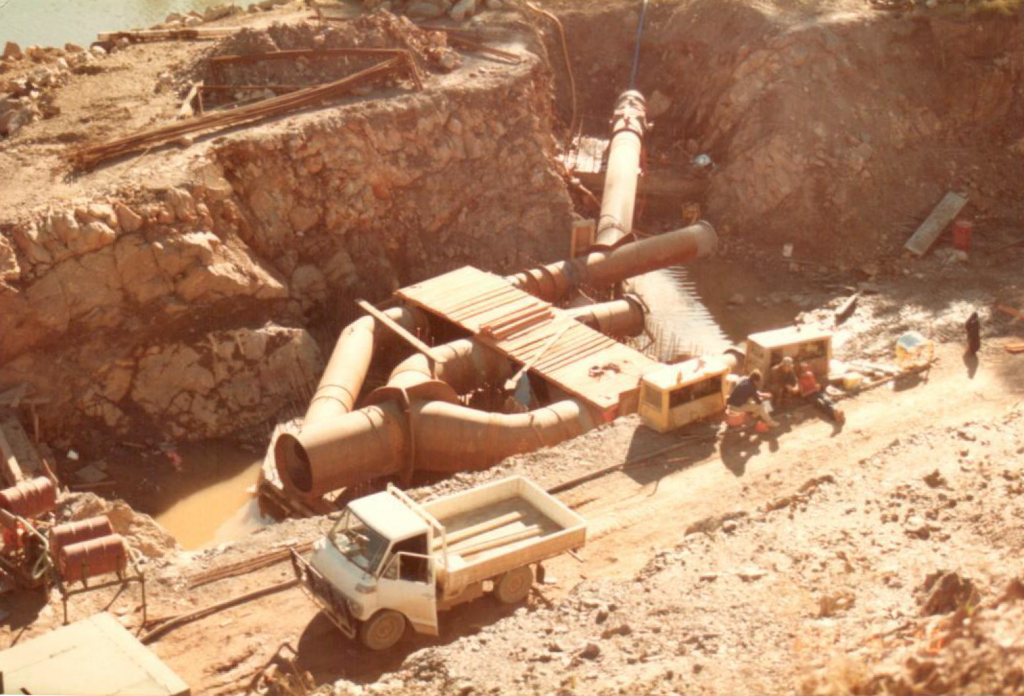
(973, 327)
(812, 391)
(746, 397)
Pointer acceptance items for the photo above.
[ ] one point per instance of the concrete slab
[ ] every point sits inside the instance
(93, 657)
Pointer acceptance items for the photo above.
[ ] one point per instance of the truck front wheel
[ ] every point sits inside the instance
(513, 586)
(382, 630)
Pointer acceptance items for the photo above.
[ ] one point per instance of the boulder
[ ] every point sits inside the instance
(15, 114)
(309, 286)
(10, 270)
(128, 219)
(424, 10)
(224, 381)
(12, 51)
(462, 10)
(215, 12)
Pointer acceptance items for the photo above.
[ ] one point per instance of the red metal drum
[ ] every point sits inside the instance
(29, 498)
(962, 234)
(73, 532)
(87, 559)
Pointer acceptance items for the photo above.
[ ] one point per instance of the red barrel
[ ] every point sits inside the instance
(73, 532)
(29, 498)
(962, 230)
(87, 559)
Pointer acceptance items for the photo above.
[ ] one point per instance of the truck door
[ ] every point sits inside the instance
(408, 584)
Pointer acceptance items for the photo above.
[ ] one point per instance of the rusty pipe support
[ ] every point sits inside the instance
(346, 369)
(629, 124)
(600, 268)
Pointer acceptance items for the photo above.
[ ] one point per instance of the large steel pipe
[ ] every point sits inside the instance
(346, 370)
(467, 365)
(669, 249)
(455, 438)
(629, 123)
(554, 281)
(344, 451)
(618, 318)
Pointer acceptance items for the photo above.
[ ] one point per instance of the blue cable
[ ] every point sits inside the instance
(636, 53)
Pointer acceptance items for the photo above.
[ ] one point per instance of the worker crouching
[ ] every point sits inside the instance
(746, 397)
(811, 390)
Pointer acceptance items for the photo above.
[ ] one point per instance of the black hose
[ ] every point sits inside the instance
(636, 51)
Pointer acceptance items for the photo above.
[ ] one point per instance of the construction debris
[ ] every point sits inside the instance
(943, 214)
(89, 157)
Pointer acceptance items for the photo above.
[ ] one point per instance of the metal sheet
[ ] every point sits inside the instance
(93, 656)
(581, 361)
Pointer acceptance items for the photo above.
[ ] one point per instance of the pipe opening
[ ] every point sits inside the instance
(293, 463)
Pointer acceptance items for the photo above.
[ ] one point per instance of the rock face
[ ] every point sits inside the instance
(180, 310)
(227, 380)
(783, 107)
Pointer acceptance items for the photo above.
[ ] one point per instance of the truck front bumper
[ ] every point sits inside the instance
(324, 594)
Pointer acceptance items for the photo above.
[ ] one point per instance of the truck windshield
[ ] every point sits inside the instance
(359, 542)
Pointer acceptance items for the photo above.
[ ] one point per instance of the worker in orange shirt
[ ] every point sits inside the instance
(811, 390)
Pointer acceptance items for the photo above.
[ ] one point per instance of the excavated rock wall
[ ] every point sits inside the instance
(181, 312)
(832, 129)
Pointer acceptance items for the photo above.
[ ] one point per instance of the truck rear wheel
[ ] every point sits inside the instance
(514, 586)
(383, 630)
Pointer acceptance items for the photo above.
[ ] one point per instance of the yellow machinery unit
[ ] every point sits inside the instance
(676, 395)
(765, 350)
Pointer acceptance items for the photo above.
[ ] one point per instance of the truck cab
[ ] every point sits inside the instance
(377, 555)
(677, 395)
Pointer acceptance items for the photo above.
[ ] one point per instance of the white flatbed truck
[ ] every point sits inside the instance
(389, 562)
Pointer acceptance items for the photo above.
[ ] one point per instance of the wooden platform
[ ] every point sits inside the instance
(581, 361)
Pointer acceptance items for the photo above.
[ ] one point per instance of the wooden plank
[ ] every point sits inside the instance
(186, 110)
(491, 295)
(11, 471)
(166, 34)
(1011, 311)
(511, 383)
(474, 311)
(479, 528)
(947, 209)
(400, 330)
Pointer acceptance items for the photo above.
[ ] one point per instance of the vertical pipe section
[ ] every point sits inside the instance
(629, 125)
(346, 370)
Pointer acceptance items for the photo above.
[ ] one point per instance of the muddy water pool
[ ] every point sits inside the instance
(212, 501)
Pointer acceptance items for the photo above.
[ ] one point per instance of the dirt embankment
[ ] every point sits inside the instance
(172, 300)
(834, 126)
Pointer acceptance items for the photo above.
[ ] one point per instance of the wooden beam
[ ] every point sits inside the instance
(947, 209)
(186, 110)
(400, 330)
(11, 472)
(1011, 311)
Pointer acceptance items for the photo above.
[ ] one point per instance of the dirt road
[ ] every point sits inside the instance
(632, 515)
